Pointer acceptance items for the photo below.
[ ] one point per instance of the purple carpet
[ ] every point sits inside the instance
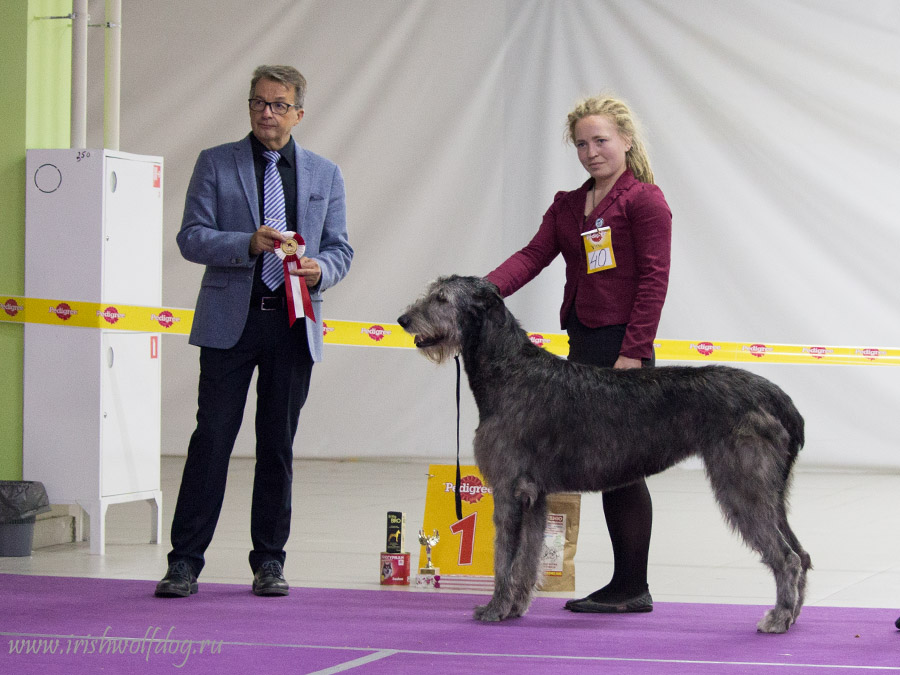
(54, 625)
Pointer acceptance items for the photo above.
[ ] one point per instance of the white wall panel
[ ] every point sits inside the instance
(773, 133)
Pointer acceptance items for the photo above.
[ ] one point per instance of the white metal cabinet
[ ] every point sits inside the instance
(92, 397)
(129, 411)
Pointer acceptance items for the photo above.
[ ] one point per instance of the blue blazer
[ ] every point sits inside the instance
(221, 213)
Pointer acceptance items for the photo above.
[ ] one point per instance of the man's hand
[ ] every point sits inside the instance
(263, 240)
(309, 269)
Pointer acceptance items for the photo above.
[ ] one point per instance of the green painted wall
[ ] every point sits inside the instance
(37, 55)
(49, 74)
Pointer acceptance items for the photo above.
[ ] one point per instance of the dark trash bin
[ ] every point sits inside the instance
(20, 502)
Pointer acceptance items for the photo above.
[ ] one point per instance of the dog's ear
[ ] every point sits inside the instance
(491, 302)
(488, 292)
(490, 285)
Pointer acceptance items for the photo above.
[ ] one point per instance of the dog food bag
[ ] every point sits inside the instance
(560, 542)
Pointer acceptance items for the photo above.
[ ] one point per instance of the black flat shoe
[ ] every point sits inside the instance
(269, 580)
(640, 603)
(593, 597)
(897, 623)
(179, 582)
(574, 601)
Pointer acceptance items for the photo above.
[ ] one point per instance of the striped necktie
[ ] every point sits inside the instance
(273, 216)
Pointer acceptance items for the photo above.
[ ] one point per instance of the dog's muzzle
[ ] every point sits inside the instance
(421, 342)
(425, 343)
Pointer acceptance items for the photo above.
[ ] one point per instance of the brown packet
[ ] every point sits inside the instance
(560, 542)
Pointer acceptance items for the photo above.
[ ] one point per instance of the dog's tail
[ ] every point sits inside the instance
(794, 425)
(790, 418)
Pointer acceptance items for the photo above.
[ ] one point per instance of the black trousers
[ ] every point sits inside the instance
(628, 510)
(281, 355)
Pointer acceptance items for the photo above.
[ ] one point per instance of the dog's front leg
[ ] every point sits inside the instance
(508, 525)
(520, 516)
(527, 562)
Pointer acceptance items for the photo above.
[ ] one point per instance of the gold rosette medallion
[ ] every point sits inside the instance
(289, 247)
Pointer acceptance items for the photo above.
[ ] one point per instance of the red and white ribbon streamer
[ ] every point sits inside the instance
(290, 252)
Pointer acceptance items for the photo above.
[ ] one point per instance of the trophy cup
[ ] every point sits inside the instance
(428, 575)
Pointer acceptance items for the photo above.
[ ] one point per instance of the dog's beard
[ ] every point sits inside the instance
(435, 350)
(436, 342)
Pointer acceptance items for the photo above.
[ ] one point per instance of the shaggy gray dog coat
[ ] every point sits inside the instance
(547, 425)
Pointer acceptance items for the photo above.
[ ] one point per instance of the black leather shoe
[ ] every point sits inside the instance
(897, 623)
(179, 582)
(269, 580)
(640, 603)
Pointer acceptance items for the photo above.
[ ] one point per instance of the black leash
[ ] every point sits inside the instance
(458, 475)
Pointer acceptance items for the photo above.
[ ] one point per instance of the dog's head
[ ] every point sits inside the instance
(437, 318)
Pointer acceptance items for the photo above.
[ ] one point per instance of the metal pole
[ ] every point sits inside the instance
(79, 73)
(113, 80)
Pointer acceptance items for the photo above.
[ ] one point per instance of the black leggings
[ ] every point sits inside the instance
(628, 509)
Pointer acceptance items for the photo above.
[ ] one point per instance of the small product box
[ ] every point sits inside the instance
(395, 569)
(395, 560)
(396, 532)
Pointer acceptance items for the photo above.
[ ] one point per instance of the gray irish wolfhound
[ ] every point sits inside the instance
(547, 425)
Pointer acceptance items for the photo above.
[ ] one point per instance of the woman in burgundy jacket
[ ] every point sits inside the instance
(614, 233)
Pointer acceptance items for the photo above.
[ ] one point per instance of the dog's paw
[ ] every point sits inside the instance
(519, 608)
(490, 612)
(776, 620)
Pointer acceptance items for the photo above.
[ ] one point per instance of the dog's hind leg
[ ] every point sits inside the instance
(751, 494)
(805, 560)
(519, 521)
(787, 569)
(759, 528)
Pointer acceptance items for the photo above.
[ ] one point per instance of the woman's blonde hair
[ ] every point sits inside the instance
(636, 158)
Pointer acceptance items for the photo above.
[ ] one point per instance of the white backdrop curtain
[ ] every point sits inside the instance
(773, 132)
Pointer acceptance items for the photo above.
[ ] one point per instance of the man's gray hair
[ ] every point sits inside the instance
(286, 75)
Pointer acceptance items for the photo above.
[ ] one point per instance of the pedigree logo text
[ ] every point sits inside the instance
(705, 348)
(818, 352)
(110, 314)
(758, 350)
(471, 489)
(11, 307)
(63, 310)
(165, 318)
(376, 332)
(538, 340)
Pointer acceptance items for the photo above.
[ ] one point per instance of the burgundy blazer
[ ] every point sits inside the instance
(633, 292)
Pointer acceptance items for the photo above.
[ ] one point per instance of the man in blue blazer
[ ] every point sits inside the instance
(242, 320)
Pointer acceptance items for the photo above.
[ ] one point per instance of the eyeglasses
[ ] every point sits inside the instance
(278, 107)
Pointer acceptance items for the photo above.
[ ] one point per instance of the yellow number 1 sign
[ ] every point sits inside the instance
(466, 546)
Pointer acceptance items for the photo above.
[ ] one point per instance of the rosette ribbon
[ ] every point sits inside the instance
(290, 252)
